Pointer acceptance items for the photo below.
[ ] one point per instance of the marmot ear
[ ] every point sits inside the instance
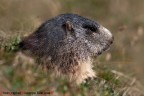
(68, 26)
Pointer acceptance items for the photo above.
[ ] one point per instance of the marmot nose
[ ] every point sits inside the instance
(108, 34)
(111, 40)
(107, 31)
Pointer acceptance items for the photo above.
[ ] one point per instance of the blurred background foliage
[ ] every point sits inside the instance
(18, 18)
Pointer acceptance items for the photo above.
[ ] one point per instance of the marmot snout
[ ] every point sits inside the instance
(67, 44)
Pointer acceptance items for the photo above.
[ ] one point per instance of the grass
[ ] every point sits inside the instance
(13, 45)
(20, 74)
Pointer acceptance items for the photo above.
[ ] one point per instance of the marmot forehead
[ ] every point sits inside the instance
(75, 19)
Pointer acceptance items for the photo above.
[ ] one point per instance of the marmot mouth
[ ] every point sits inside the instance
(103, 50)
(107, 47)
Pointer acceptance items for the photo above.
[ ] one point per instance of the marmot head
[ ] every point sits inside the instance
(87, 33)
(68, 42)
(65, 30)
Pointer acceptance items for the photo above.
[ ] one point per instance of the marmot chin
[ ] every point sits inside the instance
(67, 45)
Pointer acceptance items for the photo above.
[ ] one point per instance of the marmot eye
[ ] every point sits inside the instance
(91, 28)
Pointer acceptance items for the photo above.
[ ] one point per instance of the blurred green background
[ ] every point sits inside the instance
(124, 18)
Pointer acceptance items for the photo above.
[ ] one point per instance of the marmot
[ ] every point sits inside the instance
(67, 45)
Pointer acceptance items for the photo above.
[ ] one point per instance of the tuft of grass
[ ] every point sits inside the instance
(13, 45)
